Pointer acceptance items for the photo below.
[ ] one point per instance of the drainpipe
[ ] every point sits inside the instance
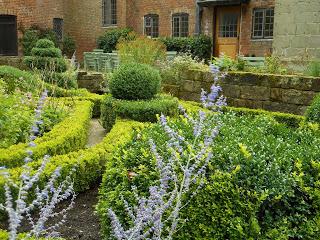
(198, 19)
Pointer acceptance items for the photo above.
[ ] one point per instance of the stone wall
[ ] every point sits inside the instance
(16, 62)
(290, 94)
(297, 29)
(93, 82)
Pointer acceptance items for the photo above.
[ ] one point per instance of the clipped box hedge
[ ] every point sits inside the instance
(5, 236)
(89, 163)
(141, 110)
(69, 135)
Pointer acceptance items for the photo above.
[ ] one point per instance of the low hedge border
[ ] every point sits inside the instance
(69, 135)
(142, 110)
(89, 163)
(288, 119)
(5, 236)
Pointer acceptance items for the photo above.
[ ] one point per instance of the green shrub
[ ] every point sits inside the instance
(198, 46)
(46, 57)
(313, 111)
(261, 184)
(69, 135)
(141, 50)
(89, 163)
(109, 40)
(171, 71)
(5, 236)
(142, 111)
(135, 81)
(68, 46)
(32, 35)
(313, 69)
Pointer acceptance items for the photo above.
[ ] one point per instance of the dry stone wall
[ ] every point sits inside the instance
(281, 93)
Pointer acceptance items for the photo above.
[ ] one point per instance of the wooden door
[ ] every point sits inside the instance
(227, 31)
(8, 35)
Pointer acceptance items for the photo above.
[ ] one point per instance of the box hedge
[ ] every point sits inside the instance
(262, 183)
(69, 135)
(143, 110)
(89, 163)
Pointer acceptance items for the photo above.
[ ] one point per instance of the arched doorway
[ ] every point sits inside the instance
(8, 35)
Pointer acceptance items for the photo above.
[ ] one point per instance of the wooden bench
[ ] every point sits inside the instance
(254, 61)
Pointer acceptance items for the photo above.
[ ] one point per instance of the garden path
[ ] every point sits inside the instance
(96, 132)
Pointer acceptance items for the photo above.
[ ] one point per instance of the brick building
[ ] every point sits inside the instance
(238, 27)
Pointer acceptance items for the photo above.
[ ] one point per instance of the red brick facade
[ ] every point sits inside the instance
(83, 19)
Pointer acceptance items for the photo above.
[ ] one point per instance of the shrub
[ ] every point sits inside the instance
(141, 50)
(46, 56)
(88, 163)
(142, 111)
(32, 35)
(69, 135)
(135, 81)
(313, 69)
(262, 183)
(313, 111)
(172, 70)
(109, 40)
(198, 46)
(68, 46)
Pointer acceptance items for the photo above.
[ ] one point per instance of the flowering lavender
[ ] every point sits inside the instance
(214, 100)
(181, 175)
(45, 200)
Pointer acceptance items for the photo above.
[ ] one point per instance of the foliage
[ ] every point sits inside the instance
(226, 63)
(199, 46)
(46, 56)
(66, 136)
(142, 111)
(5, 236)
(16, 116)
(313, 69)
(135, 81)
(261, 184)
(272, 65)
(141, 50)
(313, 111)
(88, 164)
(32, 35)
(68, 45)
(109, 40)
(172, 70)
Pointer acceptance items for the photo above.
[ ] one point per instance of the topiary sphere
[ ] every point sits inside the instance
(44, 43)
(135, 81)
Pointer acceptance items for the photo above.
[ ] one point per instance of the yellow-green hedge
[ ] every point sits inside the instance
(68, 135)
(5, 236)
(89, 163)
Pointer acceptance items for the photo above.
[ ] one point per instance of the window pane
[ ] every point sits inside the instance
(58, 27)
(180, 25)
(269, 20)
(258, 24)
(228, 25)
(176, 26)
(151, 25)
(109, 12)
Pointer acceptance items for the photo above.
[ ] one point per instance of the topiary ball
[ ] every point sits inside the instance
(313, 111)
(44, 43)
(134, 81)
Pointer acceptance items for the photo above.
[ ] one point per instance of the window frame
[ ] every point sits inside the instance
(263, 30)
(113, 19)
(57, 27)
(180, 17)
(154, 29)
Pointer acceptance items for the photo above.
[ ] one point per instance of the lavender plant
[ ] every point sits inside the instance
(181, 174)
(19, 208)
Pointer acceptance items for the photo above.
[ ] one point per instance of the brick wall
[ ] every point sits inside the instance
(265, 91)
(31, 12)
(247, 46)
(297, 29)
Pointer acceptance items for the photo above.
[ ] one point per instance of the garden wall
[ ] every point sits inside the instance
(93, 81)
(16, 62)
(290, 94)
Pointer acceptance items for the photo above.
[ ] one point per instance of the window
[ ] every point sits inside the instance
(58, 27)
(109, 12)
(180, 25)
(262, 23)
(228, 26)
(151, 25)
